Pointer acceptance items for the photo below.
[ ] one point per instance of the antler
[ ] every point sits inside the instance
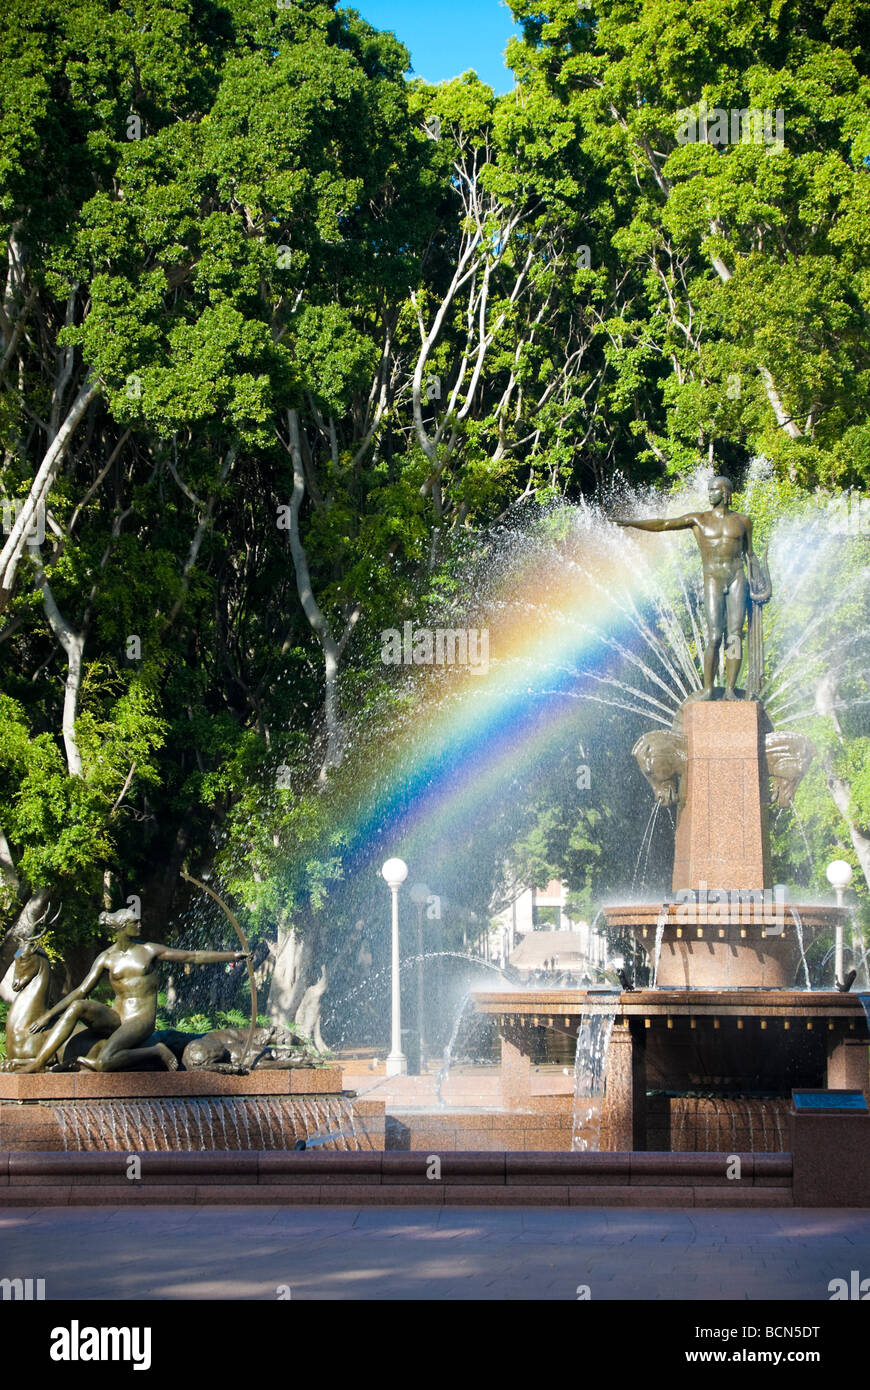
(33, 935)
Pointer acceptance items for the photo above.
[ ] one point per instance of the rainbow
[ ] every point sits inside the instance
(552, 618)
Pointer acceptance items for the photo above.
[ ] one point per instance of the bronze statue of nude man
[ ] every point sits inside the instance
(725, 541)
(131, 966)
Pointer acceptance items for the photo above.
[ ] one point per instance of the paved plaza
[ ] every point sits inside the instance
(403, 1253)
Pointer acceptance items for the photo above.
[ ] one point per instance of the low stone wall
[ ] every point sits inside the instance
(402, 1179)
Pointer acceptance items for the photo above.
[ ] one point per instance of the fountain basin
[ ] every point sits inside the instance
(738, 944)
(737, 1051)
(549, 1007)
(186, 1110)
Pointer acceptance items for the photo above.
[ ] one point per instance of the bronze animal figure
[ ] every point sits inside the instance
(31, 980)
(223, 1049)
(661, 757)
(788, 758)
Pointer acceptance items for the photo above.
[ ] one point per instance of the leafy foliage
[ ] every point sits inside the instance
(231, 228)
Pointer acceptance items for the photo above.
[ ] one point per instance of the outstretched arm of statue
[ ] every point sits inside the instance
(80, 992)
(199, 957)
(675, 523)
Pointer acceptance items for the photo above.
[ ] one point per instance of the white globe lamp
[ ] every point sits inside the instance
(839, 875)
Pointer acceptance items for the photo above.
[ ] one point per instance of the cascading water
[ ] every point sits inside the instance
(801, 827)
(208, 1124)
(661, 923)
(727, 1124)
(590, 1059)
(441, 1078)
(799, 928)
(645, 847)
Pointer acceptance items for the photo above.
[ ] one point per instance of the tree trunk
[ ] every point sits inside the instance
(292, 956)
(332, 649)
(73, 644)
(841, 795)
(783, 419)
(308, 1013)
(10, 886)
(16, 542)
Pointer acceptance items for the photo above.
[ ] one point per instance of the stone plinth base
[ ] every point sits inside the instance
(516, 1068)
(847, 1068)
(831, 1155)
(622, 1119)
(722, 838)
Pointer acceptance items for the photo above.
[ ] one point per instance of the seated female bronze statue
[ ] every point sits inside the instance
(131, 965)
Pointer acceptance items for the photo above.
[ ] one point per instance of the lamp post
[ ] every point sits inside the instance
(394, 872)
(839, 875)
(420, 895)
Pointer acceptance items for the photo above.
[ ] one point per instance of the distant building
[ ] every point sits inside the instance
(555, 952)
(544, 910)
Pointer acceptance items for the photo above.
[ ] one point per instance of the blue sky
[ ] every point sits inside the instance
(445, 37)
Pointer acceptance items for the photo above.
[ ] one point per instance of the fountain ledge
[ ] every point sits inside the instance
(740, 1001)
(130, 1085)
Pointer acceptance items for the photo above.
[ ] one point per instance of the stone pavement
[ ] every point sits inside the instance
(433, 1254)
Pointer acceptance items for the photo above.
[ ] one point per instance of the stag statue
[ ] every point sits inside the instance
(31, 980)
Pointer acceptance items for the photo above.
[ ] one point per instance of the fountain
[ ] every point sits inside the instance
(713, 1049)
